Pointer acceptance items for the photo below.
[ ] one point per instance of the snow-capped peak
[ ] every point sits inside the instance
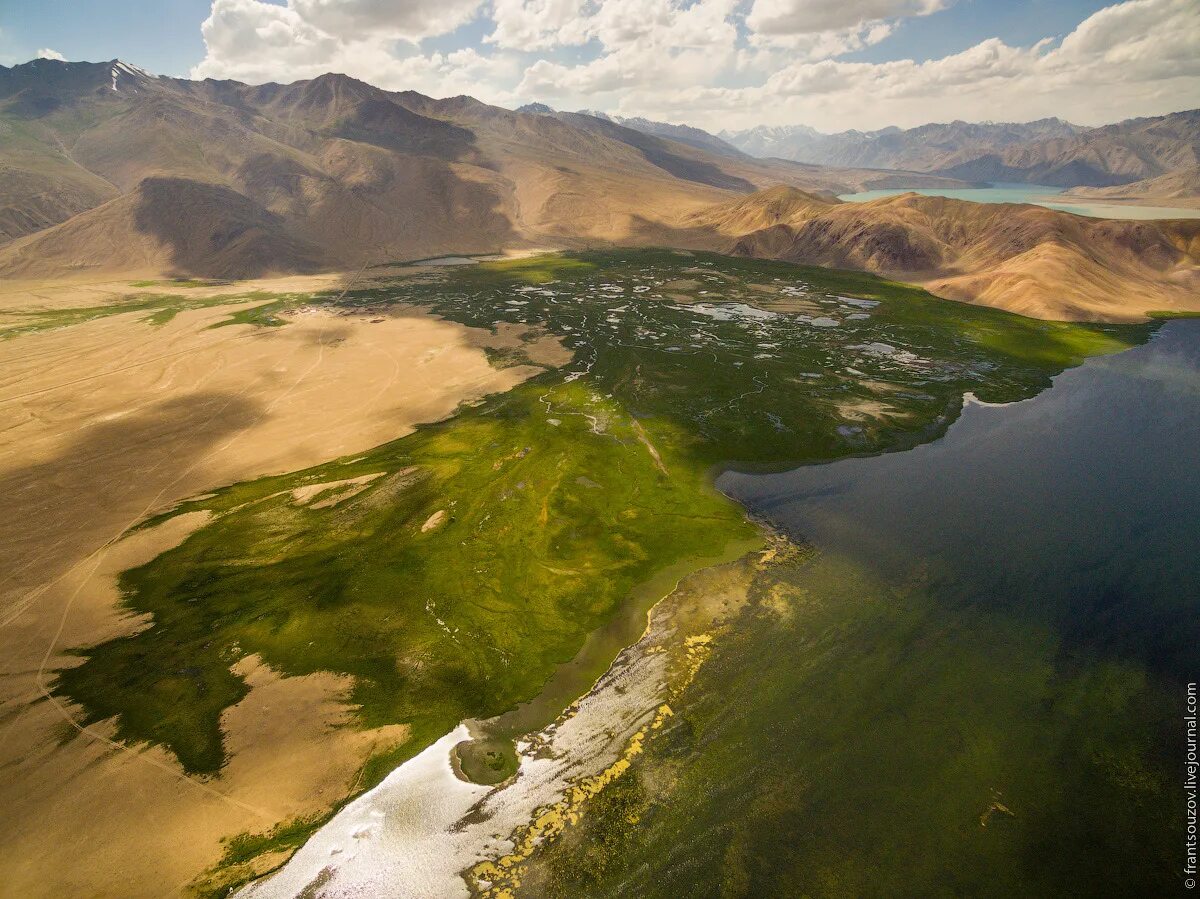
(123, 69)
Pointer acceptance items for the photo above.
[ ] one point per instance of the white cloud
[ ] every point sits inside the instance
(782, 17)
(816, 45)
(258, 41)
(538, 24)
(664, 43)
(410, 20)
(47, 53)
(1135, 58)
(718, 63)
(818, 29)
(614, 24)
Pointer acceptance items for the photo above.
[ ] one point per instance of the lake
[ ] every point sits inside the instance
(1031, 611)
(962, 676)
(970, 682)
(1037, 194)
(1088, 490)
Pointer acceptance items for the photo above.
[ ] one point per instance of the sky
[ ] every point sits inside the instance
(716, 64)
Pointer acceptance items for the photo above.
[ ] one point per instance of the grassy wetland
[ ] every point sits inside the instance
(971, 686)
(154, 308)
(453, 573)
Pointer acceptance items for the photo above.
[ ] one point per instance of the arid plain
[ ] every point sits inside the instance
(114, 419)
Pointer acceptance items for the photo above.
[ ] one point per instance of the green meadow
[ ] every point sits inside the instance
(553, 505)
(452, 572)
(154, 309)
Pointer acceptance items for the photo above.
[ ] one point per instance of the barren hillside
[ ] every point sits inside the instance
(1181, 184)
(1028, 259)
(1047, 151)
(342, 171)
(112, 171)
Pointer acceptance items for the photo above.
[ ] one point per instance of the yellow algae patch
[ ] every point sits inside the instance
(687, 628)
(781, 600)
(996, 808)
(498, 879)
(697, 649)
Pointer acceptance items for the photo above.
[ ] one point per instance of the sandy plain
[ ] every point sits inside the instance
(111, 420)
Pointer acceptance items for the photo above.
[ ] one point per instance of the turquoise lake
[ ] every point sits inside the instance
(1037, 194)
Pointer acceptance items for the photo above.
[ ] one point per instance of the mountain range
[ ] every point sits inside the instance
(108, 170)
(685, 134)
(1023, 258)
(927, 147)
(1177, 185)
(349, 172)
(1047, 151)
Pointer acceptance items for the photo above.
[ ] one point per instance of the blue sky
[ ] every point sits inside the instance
(716, 63)
(160, 35)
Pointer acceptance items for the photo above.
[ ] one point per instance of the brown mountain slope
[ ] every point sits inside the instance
(370, 173)
(1028, 259)
(166, 226)
(1115, 154)
(37, 195)
(226, 179)
(1182, 184)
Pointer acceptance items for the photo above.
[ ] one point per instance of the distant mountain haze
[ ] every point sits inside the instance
(1048, 151)
(928, 146)
(685, 134)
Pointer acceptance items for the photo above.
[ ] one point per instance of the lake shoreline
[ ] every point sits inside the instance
(1050, 197)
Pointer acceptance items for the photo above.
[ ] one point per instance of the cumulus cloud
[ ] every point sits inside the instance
(1135, 58)
(716, 63)
(47, 53)
(538, 24)
(258, 41)
(787, 17)
(664, 43)
(818, 29)
(1107, 67)
(408, 20)
(615, 25)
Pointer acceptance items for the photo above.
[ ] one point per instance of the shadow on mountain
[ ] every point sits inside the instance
(390, 126)
(658, 153)
(212, 231)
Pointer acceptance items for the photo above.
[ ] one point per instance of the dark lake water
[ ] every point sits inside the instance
(1083, 501)
(976, 687)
